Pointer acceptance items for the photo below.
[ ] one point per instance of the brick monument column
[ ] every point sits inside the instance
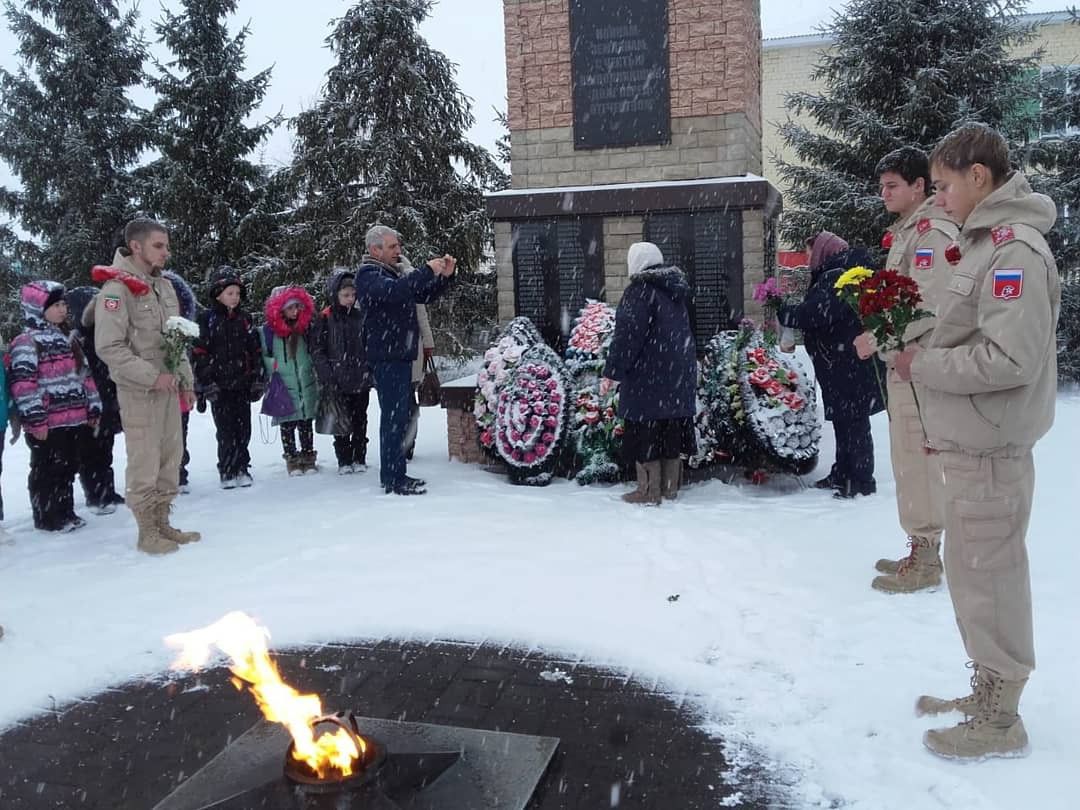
(630, 120)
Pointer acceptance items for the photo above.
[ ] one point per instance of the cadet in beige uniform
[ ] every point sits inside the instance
(989, 375)
(130, 312)
(916, 242)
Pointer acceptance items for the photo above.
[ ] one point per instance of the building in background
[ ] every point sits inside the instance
(788, 62)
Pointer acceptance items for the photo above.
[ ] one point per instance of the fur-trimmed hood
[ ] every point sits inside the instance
(185, 296)
(102, 273)
(275, 305)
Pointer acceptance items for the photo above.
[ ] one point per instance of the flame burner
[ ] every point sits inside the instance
(365, 768)
(404, 765)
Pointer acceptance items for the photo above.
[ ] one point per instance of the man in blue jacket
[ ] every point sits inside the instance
(388, 298)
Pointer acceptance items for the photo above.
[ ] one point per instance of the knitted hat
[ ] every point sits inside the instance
(284, 296)
(642, 256)
(223, 278)
(826, 244)
(38, 296)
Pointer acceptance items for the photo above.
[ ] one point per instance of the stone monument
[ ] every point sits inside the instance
(632, 120)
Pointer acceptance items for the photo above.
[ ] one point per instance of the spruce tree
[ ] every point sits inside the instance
(386, 143)
(68, 129)
(898, 73)
(17, 267)
(204, 185)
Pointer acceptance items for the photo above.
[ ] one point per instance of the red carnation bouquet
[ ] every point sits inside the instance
(886, 303)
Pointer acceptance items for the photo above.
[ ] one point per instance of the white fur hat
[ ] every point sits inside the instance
(642, 256)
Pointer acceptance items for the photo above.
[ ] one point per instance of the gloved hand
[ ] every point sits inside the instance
(210, 392)
(428, 353)
(258, 389)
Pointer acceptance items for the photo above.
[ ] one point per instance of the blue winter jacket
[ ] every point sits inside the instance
(389, 299)
(849, 386)
(652, 352)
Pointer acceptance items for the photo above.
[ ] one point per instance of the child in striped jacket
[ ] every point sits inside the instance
(56, 398)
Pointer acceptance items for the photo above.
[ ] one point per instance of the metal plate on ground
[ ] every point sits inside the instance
(496, 770)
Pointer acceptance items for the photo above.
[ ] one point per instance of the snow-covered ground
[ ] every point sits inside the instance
(776, 627)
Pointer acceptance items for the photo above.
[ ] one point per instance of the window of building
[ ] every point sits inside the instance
(1062, 80)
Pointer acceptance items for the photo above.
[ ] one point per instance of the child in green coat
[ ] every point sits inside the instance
(289, 311)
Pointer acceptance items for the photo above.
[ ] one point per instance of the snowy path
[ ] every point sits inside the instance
(775, 626)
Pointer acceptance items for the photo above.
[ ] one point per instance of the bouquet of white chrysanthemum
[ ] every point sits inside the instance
(176, 340)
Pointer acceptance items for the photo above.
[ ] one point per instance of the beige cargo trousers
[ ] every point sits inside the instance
(987, 510)
(919, 491)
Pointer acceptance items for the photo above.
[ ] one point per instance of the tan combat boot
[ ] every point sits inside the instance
(918, 571)
(151, 540)
(670, 478)
(171, 532)
(996, 731)
(888, 566)
(648, 481)
(967, 705)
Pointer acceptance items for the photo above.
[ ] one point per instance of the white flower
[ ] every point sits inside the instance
(183, 326)
(513, 354)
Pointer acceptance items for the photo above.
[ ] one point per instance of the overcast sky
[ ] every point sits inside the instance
(290, 36)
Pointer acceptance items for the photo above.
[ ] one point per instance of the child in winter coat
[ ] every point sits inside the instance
(289, 312)
(96, 449)
(56, 399)
(229, 372)
(337, 346)
(189, 308)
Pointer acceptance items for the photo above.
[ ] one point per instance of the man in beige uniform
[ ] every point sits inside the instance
(131, 311)
(916, 242)
(989, 375)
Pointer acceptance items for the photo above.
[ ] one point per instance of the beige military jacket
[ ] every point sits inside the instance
(130, 325)
(918, 251)
(989, 371)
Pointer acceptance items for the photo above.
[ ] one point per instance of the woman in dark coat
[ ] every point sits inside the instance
(653, 358)
(849, 387)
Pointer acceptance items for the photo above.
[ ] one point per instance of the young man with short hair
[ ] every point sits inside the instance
(131, 311)
(989, 375)
(916, 242)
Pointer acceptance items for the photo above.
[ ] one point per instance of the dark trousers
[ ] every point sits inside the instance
(307, 436)
(393, 382)
(854, 450)
(232, 419)
(352, 449)
(96, 465)
(186, 458)
(53, 464)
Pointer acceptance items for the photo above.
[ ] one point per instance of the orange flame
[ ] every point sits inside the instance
(244, 642)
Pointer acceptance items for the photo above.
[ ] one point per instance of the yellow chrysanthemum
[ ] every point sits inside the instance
(852, 276)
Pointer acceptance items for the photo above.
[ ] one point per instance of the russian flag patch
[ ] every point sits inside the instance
(924, 258)
(1008, 284)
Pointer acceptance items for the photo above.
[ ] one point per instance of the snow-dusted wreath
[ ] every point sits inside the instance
(529, 414)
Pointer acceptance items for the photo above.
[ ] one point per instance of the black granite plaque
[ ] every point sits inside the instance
(558, 263)
(707, 246)
(620, 72)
